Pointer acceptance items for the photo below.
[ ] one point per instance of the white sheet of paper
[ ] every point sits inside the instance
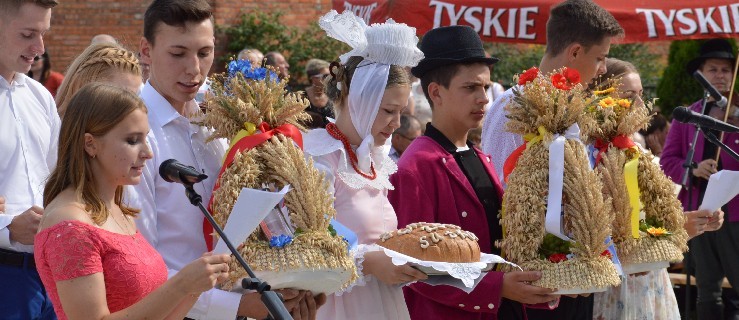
(722, 187)
(250, 209)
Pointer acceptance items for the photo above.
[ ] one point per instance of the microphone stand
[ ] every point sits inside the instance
(687, 183)
(272, 300)
(713, 139)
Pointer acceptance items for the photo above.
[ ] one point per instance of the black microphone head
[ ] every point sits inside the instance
(682, 114)
(173, 171)
(164, 168)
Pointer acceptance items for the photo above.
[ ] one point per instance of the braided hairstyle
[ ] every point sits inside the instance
(337, 84)
(99, 62)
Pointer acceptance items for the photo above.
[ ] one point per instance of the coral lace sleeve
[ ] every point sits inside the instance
(131, 267)
(72, 250)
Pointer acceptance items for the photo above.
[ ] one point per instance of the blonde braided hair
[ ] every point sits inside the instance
(99, 62)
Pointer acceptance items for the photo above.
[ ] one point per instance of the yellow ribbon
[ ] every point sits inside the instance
(631, 169)
(249, 129)
(533, 138)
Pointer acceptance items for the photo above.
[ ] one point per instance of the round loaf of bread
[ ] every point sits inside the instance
(433, 242)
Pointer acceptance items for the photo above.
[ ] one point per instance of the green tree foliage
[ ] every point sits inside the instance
(676, 87)
(514, 59)
(267, 32)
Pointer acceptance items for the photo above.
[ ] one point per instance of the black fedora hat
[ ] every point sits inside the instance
(712, 49)
(450, 45)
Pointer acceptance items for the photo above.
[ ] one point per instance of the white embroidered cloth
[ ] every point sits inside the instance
(467, 272)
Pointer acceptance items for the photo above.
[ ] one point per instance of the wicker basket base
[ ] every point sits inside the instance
(575, 274)
(316, 281)
(649, 250)
(320, 265)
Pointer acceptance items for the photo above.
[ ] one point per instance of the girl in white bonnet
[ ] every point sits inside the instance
(369, 89)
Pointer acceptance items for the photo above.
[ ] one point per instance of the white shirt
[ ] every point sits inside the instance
(167, 219)
(394, 155)
(496, 140)
(422, 107)
(29, 133)
(494, 92)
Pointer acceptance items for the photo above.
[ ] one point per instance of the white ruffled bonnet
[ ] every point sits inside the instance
(381, 45)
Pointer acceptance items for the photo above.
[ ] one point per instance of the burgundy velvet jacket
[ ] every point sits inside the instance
(431, 187)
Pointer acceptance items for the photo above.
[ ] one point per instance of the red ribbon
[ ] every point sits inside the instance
(620, 141)
(246, 143)
(511, 161)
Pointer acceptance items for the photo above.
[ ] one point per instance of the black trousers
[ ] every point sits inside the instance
(716, 255)
(580, 308)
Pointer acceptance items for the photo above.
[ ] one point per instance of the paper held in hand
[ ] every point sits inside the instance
(250, 209)
(722, 187)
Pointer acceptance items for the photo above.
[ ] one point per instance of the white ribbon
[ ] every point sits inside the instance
(553, 221)
(367, 88)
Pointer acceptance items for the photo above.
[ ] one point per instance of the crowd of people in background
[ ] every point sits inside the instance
(88, 228)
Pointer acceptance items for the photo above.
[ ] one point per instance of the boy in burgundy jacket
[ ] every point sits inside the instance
(442, 178)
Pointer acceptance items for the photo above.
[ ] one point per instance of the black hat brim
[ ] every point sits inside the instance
(696, 63)
(429, 64)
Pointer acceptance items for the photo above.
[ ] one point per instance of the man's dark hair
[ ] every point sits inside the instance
(443, 76)
(579, 21)
(174, 13)
(406, 123)
(270, 58)
(9, 8)
(658, 122)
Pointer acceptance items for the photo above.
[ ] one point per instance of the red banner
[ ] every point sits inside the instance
(524, 21)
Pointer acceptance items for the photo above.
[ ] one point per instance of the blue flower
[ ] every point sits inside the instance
(280, 241)
(239, 66)
(245, 68)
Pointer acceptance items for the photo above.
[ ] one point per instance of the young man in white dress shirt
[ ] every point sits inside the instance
(178, 45)
(579, 36)
(29, 131)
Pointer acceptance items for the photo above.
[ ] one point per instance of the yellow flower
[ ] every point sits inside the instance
(656, 232)
(607, 102)
(250, 128)
(624, 103)
(604, 92)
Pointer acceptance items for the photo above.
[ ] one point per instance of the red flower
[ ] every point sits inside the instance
(572, 75)
(558, 257)
(559, 82)
(607, 254)
(528, 76)
(566, 80)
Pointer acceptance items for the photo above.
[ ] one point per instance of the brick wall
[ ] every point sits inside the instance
(75, 22)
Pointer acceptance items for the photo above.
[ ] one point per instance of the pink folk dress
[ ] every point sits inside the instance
(72, 249)
(362, 206)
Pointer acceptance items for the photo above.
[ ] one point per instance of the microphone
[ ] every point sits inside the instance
(173, 171)
(686, 115)
(720, 99)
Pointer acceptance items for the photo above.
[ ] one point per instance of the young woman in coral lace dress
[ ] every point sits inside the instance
(91, 259)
